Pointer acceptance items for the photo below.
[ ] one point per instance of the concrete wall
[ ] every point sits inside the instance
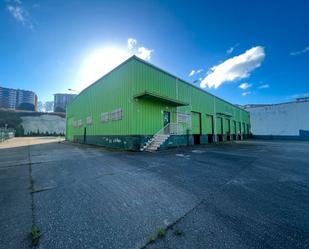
(287, 119)
(46, 123)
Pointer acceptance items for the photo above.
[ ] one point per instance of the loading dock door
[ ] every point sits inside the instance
(196, 127)
(196, 123)
(235, 127)
(210, 127)
(226, 126)
(219, 128)
(209, 124)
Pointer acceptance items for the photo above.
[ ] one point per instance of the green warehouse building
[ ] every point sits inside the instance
(138, 106)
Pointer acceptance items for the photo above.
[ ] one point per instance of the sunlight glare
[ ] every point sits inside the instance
(99, 63)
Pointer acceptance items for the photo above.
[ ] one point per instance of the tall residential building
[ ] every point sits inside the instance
(61, 100)
(8, 98)
(18, 99)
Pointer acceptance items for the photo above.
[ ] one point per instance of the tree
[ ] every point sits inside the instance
(49, 106)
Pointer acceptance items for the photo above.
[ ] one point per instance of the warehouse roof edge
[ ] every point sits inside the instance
(157, 68)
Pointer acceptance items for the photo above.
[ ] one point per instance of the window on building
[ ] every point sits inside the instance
(89, 120)
(117, 114)
(104, 117)
(183, 118)
(80, 123)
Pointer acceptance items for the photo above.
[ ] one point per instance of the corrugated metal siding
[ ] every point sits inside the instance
(144, 117)
(233, 127)
(219, 125)
(109, 93)
(209, 124)
(195, 123)
(226, 127)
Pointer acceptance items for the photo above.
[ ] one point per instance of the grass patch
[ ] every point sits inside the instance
(35, 235)
(160, 234)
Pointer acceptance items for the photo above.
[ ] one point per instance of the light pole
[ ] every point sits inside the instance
(72, 90)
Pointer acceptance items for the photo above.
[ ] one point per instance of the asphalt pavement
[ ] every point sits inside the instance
(246, 194)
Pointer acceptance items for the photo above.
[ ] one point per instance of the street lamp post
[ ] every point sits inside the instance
(72, 90)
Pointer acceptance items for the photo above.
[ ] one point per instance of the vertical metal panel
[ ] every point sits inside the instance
(195, 123)
(209, 124)
(219, 127)
(144, 117)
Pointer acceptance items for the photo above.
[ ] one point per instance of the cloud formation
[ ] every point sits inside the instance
(144, 53)
(131, 43)
(264, 86)
(245, 86)
(17, 10)
(245, 93)
(306, 49)
(238, 67)
(231, 49)
(141, 52)
(193, 72)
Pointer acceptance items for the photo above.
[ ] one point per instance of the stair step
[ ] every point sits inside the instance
(155, 142)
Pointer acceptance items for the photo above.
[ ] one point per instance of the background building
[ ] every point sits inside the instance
(61, 100)
(280, 121)
(138, 106)
(8, 98)
(18, 99)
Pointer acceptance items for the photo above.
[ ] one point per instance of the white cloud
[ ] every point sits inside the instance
(231, 49)
(19, 12)
(264, 86)
(306, 49)
(131, 43)
(245, 93)
(192, 73)
(245, 86)
(238, 67)
(141, 52)
(144, 53)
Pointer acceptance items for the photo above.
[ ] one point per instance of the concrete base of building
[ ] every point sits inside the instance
(221, 138)
(132, 142)
(136, 142)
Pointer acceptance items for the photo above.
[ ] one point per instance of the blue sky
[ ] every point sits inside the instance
(243, 51)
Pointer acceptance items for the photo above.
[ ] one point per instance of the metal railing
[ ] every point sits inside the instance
(172, 129)
(6, 133)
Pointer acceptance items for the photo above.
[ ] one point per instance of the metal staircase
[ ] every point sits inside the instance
(154, 143)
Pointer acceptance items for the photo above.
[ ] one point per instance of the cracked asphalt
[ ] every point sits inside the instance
(248, 194)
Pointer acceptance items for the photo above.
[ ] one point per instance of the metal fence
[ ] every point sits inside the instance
(6, 133)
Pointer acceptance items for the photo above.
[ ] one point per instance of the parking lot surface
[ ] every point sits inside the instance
(247, 194)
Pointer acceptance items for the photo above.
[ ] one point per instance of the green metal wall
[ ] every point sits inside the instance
(159, 82)
(144, 117)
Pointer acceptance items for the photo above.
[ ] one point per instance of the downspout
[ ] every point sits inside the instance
(215, 120)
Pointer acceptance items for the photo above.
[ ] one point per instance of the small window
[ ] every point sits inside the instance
(104, 117)
(89, 120)
(183, 118)
(79, 123)
(117, 114)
